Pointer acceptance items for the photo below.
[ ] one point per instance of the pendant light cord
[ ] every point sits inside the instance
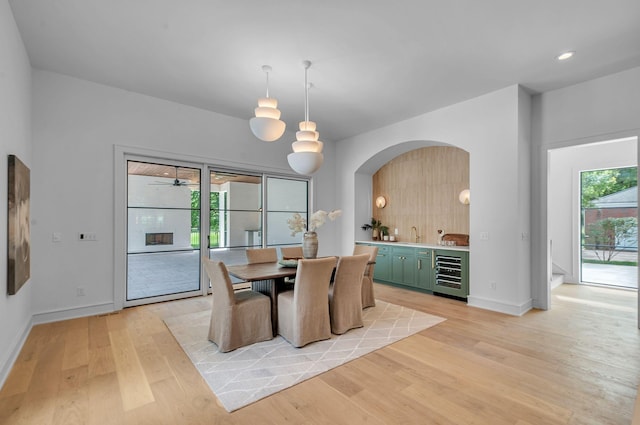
(306, 91)
(266, 69)
(307, 65)
(267, 72)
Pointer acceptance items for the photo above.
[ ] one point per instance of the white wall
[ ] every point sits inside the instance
(565, 165)
(602, 109)
(494, 129)
(76, 124)
(15, 138)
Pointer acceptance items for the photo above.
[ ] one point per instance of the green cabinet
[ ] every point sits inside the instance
(424, 269)
(382, 270)
(403, 266)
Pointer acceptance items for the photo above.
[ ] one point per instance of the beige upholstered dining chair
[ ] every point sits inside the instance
(345, 293)
(368, 297)
(303, 313)
(262, 255)
(237, 319)
(291, 252)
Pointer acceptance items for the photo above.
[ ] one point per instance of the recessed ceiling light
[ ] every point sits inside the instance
(564, 56)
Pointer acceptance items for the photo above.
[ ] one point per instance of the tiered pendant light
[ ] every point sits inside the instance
(266, 125)
(307, 154)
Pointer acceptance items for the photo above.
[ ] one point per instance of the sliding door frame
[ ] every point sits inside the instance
(124, 153)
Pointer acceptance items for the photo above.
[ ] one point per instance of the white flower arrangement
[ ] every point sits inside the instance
(298, 223)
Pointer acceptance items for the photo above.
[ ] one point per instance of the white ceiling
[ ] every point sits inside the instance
(374, 62)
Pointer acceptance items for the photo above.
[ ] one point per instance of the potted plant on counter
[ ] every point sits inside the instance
(384, 233)
(375, 226)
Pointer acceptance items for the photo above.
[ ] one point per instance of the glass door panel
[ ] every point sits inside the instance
(609, 223)
(235, 216)
(163, 231)
(284, 198)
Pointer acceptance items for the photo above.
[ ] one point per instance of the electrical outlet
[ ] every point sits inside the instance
(484, 236)
(80, 291)
(87, 236)
(56, 237)
(493, 285)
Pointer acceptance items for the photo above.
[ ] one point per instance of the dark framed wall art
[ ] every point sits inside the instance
(19, 249)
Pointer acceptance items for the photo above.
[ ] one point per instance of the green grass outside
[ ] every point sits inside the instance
(195, 239)
(612, 263)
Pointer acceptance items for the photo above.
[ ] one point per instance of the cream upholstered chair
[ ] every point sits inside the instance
(368, 297)
(345, 293)
(303, 313)
(259, 256)
(237, 319)
(262, 255)
(291, 252)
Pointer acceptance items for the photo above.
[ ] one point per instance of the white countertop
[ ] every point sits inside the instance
(418, 245)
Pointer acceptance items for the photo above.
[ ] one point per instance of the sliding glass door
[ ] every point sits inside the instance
(609, 214)
(235, 215)
(240, 219)
(163, 232)
(285, 196)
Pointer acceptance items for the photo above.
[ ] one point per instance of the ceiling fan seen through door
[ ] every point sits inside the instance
(176, 182)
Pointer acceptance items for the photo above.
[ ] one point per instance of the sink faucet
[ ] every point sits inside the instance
(414, 229)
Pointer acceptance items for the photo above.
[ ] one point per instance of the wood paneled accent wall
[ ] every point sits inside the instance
(422, 188)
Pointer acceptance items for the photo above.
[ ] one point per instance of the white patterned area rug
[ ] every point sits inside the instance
(248, 374)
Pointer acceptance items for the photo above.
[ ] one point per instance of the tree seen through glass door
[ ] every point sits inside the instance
(609, 226)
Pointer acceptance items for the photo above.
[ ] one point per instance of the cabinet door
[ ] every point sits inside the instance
(382, 270)
(403, 266)
(424, 269)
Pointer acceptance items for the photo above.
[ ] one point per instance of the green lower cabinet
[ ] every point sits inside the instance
(382, 270)
(424, 269)
(403, 266)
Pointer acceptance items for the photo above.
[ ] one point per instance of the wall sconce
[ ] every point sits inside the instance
(381, 201)
(465, 197)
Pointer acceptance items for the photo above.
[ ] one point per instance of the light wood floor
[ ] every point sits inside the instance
(578, 363)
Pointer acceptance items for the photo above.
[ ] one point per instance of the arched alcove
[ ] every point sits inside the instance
(428, 201)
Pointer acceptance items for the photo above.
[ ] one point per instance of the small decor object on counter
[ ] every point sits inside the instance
(455, 239)
(440, 235)
(310, 238)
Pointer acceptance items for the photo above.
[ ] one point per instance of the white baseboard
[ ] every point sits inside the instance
(501, 307)
(7, 363)
(72, 313)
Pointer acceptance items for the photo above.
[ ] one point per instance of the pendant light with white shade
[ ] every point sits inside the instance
(266, 125)
(307, 157)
